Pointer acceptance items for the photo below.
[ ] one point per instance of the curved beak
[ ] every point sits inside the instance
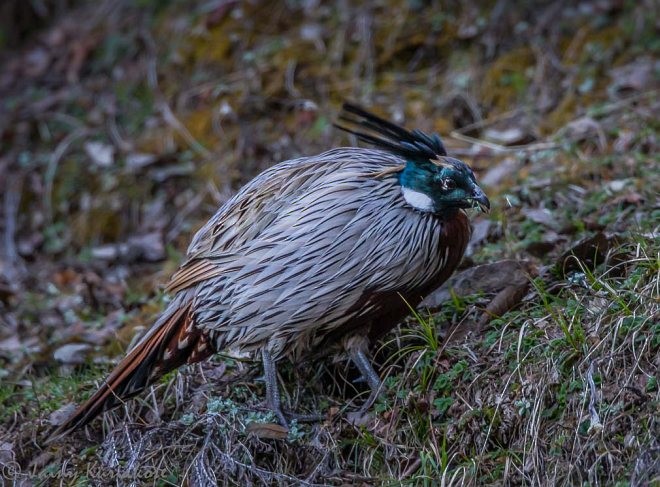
(479, 199)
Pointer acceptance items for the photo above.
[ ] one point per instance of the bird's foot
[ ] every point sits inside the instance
(360, 380)
(368, 375)
(285, 418)
(272, 389)
(306, 418)
(364, 409)
(277, 410)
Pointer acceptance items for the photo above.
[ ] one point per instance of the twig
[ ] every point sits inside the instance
(622, 103)
(171, 120)
(412, 468)
(162, 104)
(459, 134)
(181, 216)
(535, 147)
(51, 169)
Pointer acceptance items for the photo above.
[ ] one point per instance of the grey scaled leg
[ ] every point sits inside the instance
(272, 389)
(362, 362)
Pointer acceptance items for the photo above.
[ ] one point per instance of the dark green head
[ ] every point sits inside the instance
(441, 184)
(430, 181)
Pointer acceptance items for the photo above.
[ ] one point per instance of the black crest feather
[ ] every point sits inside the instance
(391, 137)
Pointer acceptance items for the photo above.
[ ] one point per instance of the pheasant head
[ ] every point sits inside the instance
(441, 184)
(430, 180)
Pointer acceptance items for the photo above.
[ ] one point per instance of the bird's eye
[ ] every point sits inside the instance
(448, 184)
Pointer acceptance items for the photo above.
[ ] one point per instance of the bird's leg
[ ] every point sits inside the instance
(272, 389)
(362, 362)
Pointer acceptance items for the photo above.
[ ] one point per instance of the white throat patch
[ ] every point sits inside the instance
(417, 200)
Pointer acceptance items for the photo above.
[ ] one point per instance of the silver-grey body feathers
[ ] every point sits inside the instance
(288, 259)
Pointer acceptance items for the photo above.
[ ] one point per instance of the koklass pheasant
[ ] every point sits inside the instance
(313, 253)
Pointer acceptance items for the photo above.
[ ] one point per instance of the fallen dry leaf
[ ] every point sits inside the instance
(72, 353)
(499, 172)
(358, 418)
(332, 412)
(591, 251)
(60, 415)
(486, 278)
(635, 76)
(546, 244)
(507, 299)
(586, 128)
(272, 431)
(148, 247)
(66, 277)
(542, 216)
(480, 230)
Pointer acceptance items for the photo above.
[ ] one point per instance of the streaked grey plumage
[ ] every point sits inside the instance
(315, 245)
(313, 253)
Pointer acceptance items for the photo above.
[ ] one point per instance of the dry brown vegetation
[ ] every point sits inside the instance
(123, 125)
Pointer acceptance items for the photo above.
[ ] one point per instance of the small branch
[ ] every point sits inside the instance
(162, 104)
(51, 169)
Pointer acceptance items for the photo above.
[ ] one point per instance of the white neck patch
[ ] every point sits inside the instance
(417, 200)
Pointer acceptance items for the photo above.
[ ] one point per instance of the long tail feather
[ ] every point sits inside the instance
(172, 342)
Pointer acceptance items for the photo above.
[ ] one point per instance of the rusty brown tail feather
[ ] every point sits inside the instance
(174, 342)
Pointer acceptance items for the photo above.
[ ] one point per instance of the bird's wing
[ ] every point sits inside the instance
(247, 214)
